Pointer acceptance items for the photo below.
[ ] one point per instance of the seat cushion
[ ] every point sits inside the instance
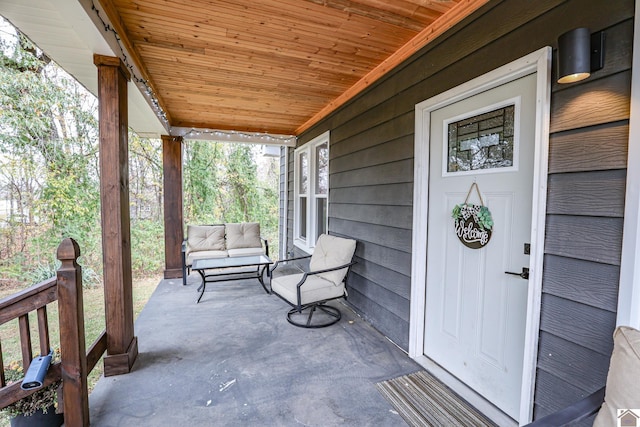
(205, 238)
(246, 251)
(315, 288)
(332, 251)
(204, 255)
(623, 386)
(243, 235)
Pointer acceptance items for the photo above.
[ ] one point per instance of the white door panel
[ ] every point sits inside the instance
(475, 314)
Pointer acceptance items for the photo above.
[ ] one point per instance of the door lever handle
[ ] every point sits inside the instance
(524, 274)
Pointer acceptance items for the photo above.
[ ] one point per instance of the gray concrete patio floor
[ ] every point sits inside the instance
(233, 360)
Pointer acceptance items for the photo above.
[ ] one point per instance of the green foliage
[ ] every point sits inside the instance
(145, 178)
(456, 212)
(484, 218)
(48, 141)
(70, 200)
(147, 246)
(48, 165)
(202, 194)
(241, 183)
(42, 271)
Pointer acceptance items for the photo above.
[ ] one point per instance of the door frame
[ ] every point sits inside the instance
(537, 62)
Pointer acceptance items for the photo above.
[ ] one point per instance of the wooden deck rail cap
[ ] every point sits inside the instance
(68, 250)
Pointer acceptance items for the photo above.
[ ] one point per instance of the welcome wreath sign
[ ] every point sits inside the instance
(472, 223)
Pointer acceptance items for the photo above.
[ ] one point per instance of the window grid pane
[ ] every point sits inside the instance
(321, 216)
(304, 173)
(322, 169)
(302, 218)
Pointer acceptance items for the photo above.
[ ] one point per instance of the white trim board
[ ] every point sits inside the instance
(629, 287)
(285, 207)
(537, 62)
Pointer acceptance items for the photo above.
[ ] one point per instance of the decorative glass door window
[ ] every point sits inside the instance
(482, 140)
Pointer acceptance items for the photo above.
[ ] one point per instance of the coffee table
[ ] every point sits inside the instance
(231, 268)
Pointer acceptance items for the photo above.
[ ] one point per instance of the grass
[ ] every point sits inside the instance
(94, 323)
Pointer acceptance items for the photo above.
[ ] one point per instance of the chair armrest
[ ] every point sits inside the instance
(266, 245)
(580, 410)
(183, 255)
(184, 251)
(326, 270)
(311, 273)
(275, 265)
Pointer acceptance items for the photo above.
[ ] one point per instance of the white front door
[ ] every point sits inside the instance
(475, 313)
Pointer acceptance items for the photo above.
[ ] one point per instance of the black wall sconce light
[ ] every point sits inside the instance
(579, 54)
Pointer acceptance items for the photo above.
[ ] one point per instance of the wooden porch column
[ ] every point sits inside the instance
(122, 345)
(173, 228)
(75, 397)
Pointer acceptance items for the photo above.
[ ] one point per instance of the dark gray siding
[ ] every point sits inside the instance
(370, 199)
(371, 181)
(587, 176)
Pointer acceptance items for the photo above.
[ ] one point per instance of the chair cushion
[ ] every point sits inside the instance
(315, 288)
(623, 384)
(332, 251)
(246, 251)
(205, 238)
(243, 235)
(204, 255)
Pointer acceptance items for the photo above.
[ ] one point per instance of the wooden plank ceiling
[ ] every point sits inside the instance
(274, 66)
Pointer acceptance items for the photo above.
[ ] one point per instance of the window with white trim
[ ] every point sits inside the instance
(311, 192)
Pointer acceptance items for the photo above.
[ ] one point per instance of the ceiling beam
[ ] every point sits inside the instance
(440, 25)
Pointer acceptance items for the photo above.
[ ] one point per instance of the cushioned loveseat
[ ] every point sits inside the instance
(221, 241)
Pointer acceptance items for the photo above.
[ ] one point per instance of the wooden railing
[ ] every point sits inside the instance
(76, 363)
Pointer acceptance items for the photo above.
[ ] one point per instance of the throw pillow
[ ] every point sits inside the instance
(205, 237)
(243, 235)
(623, 380)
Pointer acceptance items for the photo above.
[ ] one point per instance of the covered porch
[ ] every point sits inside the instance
(586, 282)
(233, 360)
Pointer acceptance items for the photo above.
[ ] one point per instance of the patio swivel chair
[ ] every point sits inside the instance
(307, 292)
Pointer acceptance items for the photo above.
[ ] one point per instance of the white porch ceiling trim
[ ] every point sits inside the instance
(234, 136)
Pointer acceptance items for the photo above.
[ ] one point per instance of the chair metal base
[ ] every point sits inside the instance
(328, 316)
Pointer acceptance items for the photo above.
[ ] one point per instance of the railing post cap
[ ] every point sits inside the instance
(68, 249)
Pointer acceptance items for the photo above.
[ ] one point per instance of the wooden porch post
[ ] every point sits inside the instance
(122, 345)
(173, 228)
(75, 396)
